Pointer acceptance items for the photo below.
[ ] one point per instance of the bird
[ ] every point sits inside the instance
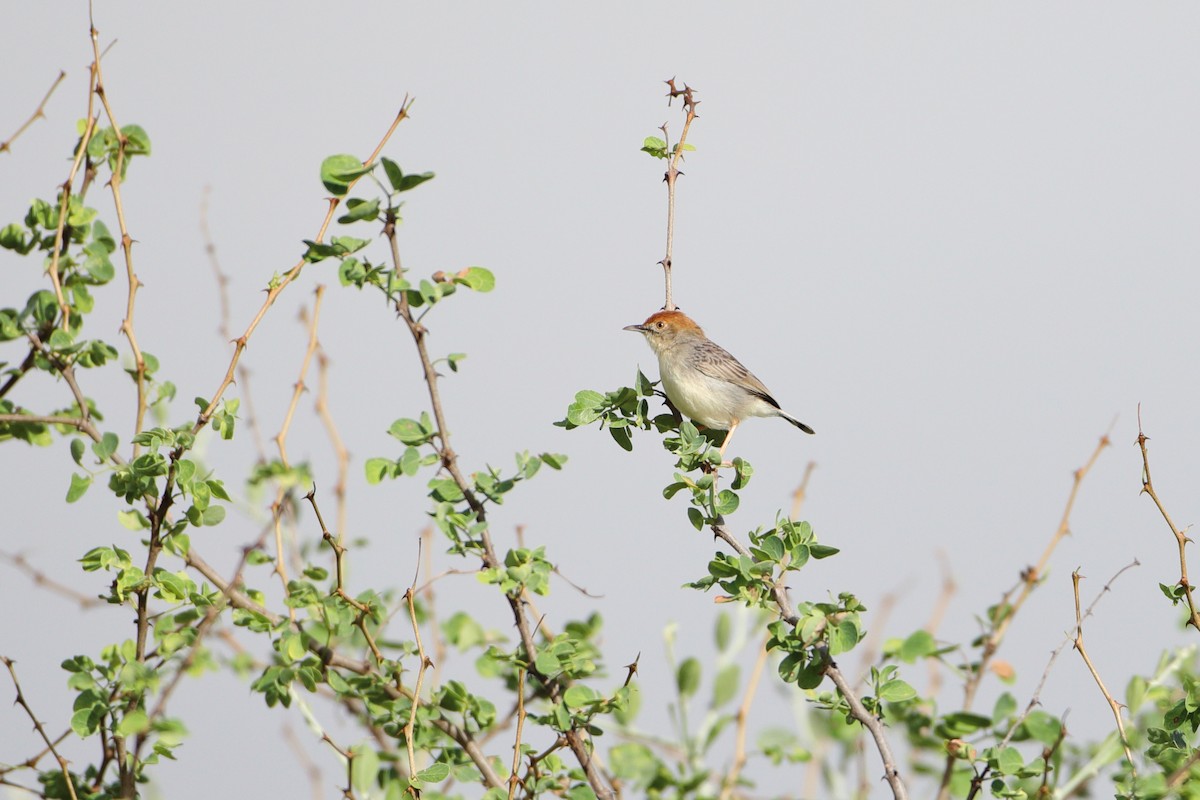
(703, 380)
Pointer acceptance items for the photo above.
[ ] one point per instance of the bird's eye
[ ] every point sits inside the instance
(660, 324)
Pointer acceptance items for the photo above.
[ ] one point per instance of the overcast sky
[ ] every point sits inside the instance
(959, 240)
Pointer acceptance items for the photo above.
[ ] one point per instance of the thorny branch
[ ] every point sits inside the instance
(858, 711)
(674, 156)
(1008, 607)
(37, 725)
(1112, 704)
(577, 740)
(39, 113)
(1181, 538)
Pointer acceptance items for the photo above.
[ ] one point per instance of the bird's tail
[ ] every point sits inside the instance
(796, 422)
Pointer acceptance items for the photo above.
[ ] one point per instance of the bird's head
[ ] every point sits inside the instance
(664, 329)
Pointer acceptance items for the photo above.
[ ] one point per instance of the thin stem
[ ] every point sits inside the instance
(1113, 705)
(742, 720)
(277, 286)
(37, 725)
(674, 156)
(1181, 539)
(577, 740)
(39, 113)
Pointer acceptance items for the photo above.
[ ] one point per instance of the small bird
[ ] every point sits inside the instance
(703, 380)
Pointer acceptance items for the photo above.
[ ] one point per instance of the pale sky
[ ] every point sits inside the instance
(958, 240)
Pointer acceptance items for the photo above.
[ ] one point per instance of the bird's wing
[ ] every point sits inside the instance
(716, 362)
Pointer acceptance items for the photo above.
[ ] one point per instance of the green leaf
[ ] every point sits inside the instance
(77, 450)
(377, 469)
(687, 677)
(409, 431)
(547, 664)
(137, 141)
(364, 768)
(106, 446)
(896, 691)
(696, 518)
(727, 502)
(79, 485)
(135, 721)
(726, 685)
(477, 278)
(586, 409)
(338, 172)
(654, 146)
(622, 438)
(1009, 761)
(358, 209)
(434, 773)
(394, 174)
(578, 696)
(918, 645)
(1043, 727)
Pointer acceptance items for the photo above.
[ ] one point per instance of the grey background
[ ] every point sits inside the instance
(958, 240)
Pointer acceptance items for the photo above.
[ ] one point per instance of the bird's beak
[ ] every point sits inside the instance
(635, 328)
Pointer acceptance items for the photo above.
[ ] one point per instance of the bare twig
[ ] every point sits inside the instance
(223, 327)
(857, 710)
(1008, 607)
(284, 488)
(1036, 698)
(411, 726)
(742, 721)
(872, 723)
(674, 156)
(1180, 538)
(576, 739)
(514, 778)
(1113, 705)
(37, 725)
(801, 492)
(342, 456)
(40, 578)
(40, 113)
(310, 767)
(277, 286)
(1030, 578)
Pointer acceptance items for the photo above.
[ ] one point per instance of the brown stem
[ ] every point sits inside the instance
(37, 725)
(674, 156)
(576, 740)
(742, 720)
(283, 282)
(39, 113)
(1181, 539)
(1113, 705)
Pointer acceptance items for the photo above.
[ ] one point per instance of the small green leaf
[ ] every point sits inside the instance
(377, 469)
(1010, 761)
(726, 685)
(578, 696)
(727, 502)
(77, 450)
(135, 721)
(477, 278)
(79, 485)
(687, 677)
(364, 768)
(621, 437)
(434, 773)
(654, 146)
(106, 446)
(896, 691)
(696, 518)
(338, 172)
